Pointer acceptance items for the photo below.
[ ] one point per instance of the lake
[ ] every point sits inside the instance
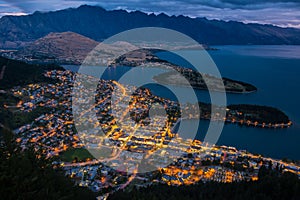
(274, 70)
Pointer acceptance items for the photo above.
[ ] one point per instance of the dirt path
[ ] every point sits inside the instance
(2, 72)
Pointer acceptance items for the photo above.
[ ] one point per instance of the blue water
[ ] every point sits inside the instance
(274, 70)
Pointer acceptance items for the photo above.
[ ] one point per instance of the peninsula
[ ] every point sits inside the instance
(195, 78)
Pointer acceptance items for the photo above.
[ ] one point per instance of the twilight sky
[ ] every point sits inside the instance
(284, 13)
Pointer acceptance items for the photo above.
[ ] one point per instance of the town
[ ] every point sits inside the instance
(130, 136)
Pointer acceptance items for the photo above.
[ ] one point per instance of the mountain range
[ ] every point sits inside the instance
(98, 24)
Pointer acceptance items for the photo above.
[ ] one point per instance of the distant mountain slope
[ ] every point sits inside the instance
(99, 24)
(65, 47)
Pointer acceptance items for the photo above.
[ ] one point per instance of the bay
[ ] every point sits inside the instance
(274, 70)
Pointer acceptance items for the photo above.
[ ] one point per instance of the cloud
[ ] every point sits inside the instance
(277, 12)
(30, 6)
(223, 4)
(33, 5)
(12, 13)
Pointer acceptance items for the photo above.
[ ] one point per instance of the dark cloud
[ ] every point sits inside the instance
(232, 4)
(32, 5)
(247, 2)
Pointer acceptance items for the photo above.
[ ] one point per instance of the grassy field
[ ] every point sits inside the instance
(80, 153)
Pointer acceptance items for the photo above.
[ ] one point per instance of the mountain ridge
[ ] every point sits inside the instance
(65, 47)
(98, 24)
